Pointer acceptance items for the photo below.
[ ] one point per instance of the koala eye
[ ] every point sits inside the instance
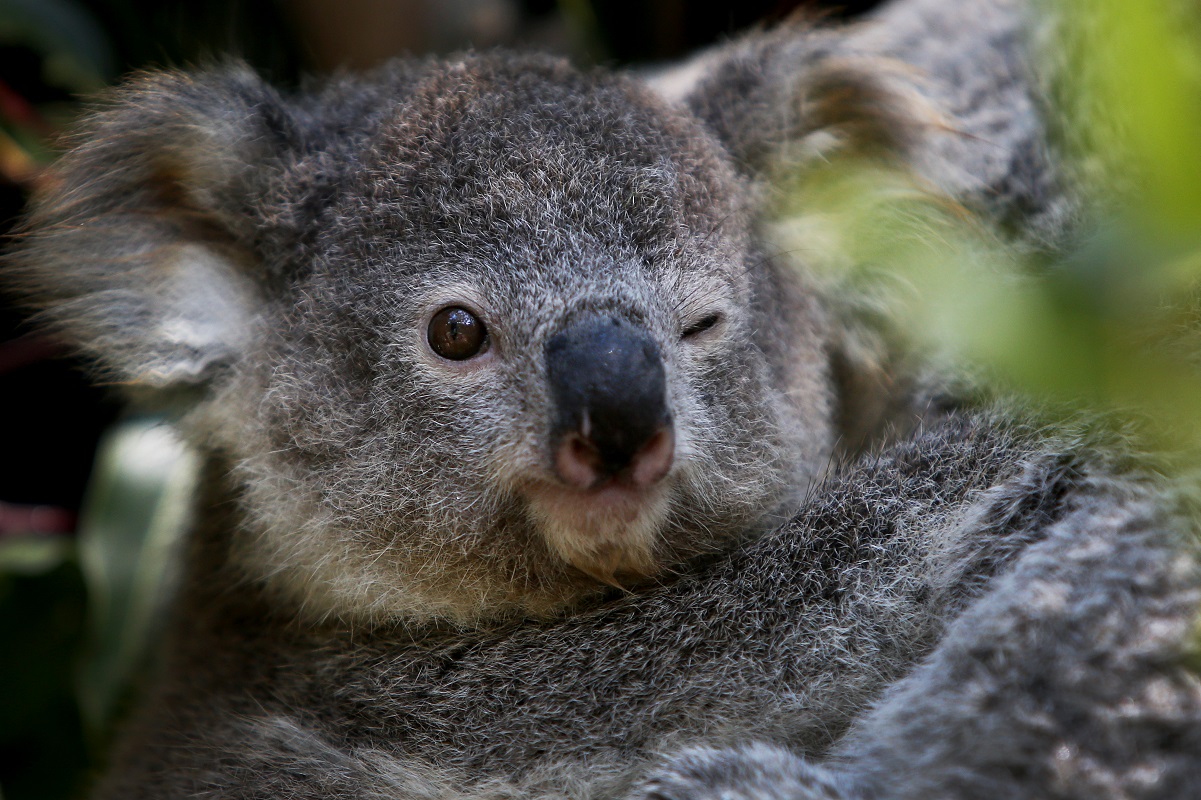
(701, 325)
(457, 334)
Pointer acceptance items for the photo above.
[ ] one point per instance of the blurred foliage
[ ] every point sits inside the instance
(1111, 325)
(42, 597)
(129, 534)
(120, 568)
(1127, 91)
(77, 53)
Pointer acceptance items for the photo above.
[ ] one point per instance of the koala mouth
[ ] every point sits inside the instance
(608, 531)
(604, 512)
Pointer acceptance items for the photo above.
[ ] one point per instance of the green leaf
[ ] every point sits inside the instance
(130, 531)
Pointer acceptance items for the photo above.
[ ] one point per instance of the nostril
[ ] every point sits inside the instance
(654, 460)
(578, 462)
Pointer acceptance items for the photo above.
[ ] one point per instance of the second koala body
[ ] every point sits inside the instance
(469, 345)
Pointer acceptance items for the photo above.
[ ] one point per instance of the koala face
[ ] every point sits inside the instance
(501, 339)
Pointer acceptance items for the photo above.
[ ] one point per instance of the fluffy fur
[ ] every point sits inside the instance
(390, 592)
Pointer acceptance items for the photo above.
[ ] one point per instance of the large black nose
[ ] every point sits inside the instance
(610, 394)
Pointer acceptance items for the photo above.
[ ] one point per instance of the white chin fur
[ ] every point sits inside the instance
(604, 533)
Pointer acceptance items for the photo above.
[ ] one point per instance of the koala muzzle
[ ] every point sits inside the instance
(610, 395)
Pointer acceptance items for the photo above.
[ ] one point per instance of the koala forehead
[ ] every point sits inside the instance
(532, 167)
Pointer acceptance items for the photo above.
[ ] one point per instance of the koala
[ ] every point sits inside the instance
(532, 469)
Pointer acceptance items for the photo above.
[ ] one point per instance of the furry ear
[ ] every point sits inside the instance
(142, 250)
(794, 95)
(787, 103)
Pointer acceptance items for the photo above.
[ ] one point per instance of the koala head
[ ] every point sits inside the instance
(476, 337)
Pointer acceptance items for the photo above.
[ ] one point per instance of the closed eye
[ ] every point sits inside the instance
(707, 322)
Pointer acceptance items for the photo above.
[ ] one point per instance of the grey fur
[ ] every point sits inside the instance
(389, 595)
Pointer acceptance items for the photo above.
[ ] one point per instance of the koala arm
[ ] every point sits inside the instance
(1068, 677)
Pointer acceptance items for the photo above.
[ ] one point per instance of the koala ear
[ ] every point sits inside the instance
(791, 96)
(141, 251)
(793, 99)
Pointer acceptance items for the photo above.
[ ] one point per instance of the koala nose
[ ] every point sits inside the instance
(610, 394)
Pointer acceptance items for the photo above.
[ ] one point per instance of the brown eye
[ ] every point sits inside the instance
(457, 334)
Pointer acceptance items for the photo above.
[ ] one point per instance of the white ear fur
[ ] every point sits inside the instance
(207, 306)
(798, 95)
